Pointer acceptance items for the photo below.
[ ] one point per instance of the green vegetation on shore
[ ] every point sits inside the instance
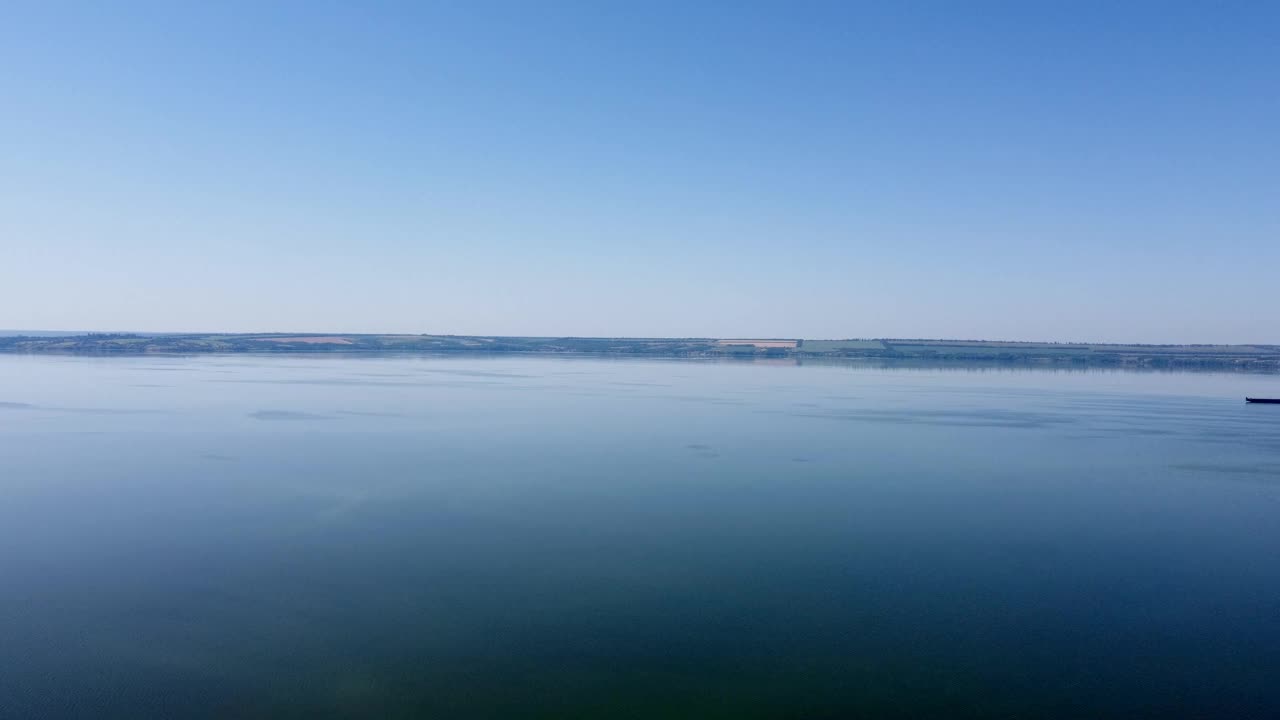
(1248, 357)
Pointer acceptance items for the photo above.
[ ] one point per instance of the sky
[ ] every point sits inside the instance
(1090, 171)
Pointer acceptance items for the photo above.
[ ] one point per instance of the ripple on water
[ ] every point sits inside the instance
(286, 415)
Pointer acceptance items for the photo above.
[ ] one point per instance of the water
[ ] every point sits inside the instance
(559, 538)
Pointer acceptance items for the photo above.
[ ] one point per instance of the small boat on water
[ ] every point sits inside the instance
(1273, 401)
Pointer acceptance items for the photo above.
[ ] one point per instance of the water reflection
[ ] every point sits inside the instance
(568, 537)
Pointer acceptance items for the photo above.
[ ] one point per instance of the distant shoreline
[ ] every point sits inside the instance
(1243, 357)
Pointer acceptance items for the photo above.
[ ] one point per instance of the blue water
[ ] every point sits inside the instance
(511, 537)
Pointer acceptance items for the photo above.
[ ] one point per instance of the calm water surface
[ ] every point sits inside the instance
(568, 538)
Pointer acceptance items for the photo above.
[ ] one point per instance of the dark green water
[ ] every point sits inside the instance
(550, 538)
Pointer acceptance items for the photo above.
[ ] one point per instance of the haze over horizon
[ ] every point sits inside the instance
(991, 171)
(5, 332)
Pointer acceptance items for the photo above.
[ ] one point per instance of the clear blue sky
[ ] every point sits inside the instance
(1067, 171)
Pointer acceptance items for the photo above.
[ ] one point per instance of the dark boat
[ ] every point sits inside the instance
(1274, 401)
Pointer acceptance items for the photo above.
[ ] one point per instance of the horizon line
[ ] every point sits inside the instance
(13, 332)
